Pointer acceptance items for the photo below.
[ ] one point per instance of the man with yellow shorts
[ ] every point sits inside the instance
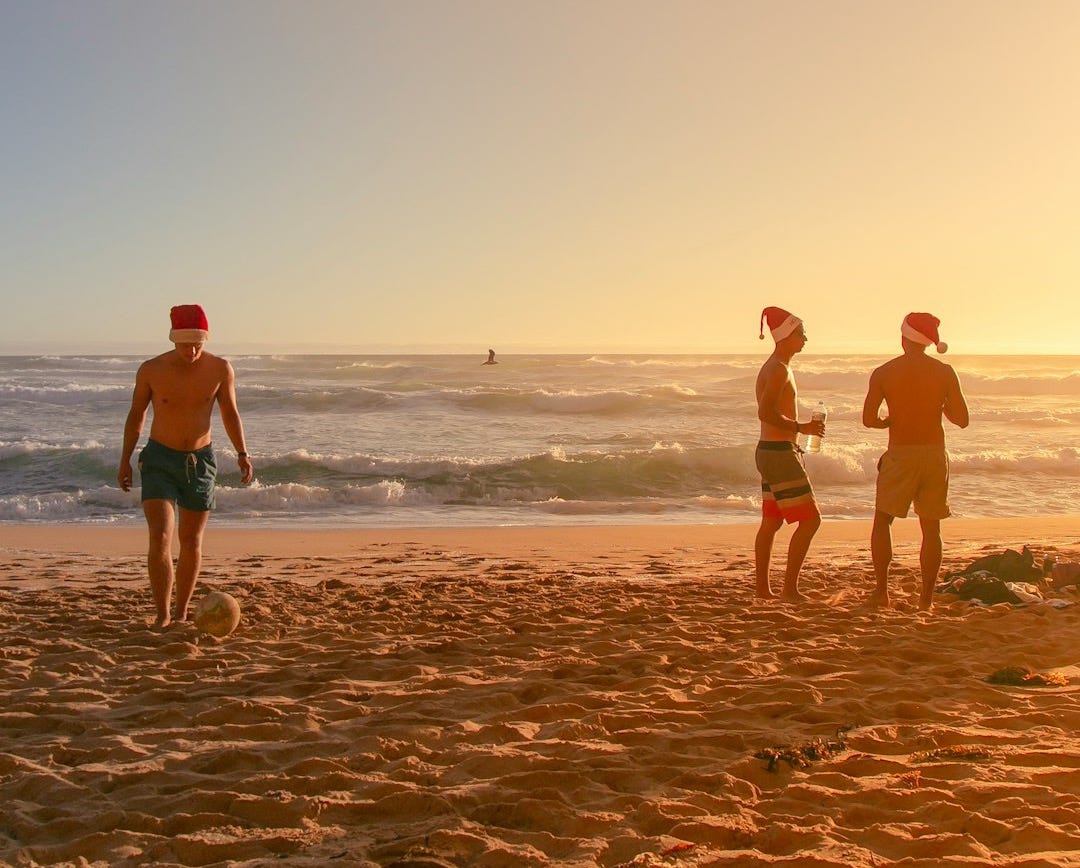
(918, 391)
(914, 474)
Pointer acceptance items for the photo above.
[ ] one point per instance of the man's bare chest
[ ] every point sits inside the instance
(184, 396)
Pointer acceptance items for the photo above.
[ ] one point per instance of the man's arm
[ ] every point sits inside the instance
(874, 396)
(230, 419)
(133, 425)
(955, 408)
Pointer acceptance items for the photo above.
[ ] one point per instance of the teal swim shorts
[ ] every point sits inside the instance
(185, 478)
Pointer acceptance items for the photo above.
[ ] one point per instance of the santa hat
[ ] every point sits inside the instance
(781, 323)
(189, 325)
(922, 328)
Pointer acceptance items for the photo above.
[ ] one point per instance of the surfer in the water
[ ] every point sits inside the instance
(491, 358)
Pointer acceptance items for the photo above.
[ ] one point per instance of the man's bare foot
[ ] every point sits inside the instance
(794, 596)
(925, 605)
(764, 594)
(161, 622)
(879, 600)
(183, 616)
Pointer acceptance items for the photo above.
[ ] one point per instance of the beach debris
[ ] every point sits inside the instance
(1009, 565)
(910, 780)
(682, 847)
(800, 756)
(420, 859)
(982, 586)
(667, 856)
(954, 753)
(1023, 676)
(1008, 577)
(1060, 575)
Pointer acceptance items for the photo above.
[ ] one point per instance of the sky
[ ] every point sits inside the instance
(542, 175)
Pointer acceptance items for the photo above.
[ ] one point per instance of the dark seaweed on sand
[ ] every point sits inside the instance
(1022, 676)
(799, 756)
(951, 754)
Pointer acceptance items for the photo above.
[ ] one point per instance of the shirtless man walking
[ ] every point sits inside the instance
(177, 464)
(786, 494)
(918, 391)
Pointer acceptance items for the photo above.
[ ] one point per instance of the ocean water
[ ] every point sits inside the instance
(342, 441)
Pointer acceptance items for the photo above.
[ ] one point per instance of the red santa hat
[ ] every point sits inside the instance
(781, 323)
(922, 328)
(189, 324)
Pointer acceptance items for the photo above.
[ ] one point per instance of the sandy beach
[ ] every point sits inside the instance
(527, 697)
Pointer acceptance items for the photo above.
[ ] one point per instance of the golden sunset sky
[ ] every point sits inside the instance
(561, 176)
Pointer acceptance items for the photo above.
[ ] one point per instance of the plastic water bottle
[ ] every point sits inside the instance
(813, 441)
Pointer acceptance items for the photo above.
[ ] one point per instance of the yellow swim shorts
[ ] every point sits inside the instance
(914, 474)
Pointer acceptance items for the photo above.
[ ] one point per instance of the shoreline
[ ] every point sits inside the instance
(232, 541)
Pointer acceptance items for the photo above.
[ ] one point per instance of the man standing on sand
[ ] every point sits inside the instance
(177, 464)
(918, 391)
(786, 494)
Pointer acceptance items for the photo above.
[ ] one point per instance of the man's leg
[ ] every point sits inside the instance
(763, 545)
(192, 525)
(929, 560)
(796, 554)
(881, 553)
(160, 520)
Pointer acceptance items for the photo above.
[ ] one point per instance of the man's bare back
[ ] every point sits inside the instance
(918, 390)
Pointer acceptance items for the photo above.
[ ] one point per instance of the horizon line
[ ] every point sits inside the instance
(20, 349)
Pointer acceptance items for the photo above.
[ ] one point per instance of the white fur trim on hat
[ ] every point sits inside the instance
(913, 334)
(786, 328)
(189, 336)
(781, 323)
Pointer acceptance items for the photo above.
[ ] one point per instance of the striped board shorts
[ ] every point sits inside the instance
(785, 488)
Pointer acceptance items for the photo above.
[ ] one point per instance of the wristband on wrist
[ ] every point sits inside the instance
(241, 455)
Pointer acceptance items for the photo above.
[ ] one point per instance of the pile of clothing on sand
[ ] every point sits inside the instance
(1013, 577)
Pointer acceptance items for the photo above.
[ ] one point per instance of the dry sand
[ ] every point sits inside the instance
(502, 697)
